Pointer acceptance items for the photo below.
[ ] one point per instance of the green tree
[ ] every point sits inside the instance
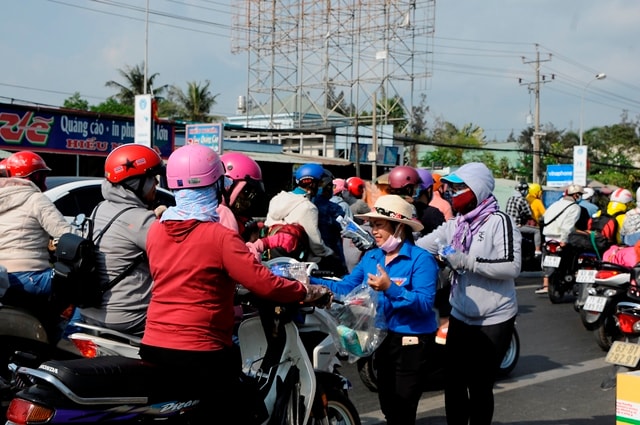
(194, 104)
(134, 85)
(76, 102)
(453, 143)
(113, 106)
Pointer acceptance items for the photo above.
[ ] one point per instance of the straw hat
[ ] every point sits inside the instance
(393, 208)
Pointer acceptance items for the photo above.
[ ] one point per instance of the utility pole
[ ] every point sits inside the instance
(535, 87)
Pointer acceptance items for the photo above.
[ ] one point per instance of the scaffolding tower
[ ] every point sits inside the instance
(315, 59)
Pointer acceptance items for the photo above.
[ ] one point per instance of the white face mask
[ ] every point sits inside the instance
(393, 241)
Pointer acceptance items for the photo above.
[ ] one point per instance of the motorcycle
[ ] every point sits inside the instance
(277, 374)
(561, 264)
(313, 330)
(601, 290)
(434, 378)
(624, 354)
(434, 375)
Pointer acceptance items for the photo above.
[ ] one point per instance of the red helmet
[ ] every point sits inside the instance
(355, 186)
(25, 163)
(131, 160)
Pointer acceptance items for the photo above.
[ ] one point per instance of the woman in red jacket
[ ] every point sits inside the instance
(195, 263)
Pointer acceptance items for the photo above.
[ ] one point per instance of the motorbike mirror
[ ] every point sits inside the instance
(79, 219)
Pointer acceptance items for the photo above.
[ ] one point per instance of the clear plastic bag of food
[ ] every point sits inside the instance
(359, 328)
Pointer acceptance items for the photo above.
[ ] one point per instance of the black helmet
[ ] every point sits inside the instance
(523, 188)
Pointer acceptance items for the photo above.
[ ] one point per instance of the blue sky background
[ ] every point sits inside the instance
(53, 48)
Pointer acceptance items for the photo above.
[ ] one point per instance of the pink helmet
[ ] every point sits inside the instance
(193, 166)
(339, 185)
(402, 176)
(239, 166)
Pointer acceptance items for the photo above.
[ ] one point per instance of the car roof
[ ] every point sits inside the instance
(73, 195)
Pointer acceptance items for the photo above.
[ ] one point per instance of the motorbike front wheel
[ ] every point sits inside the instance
(340, 410)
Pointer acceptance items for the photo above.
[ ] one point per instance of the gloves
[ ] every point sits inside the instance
(283, 240)
(460, 261)
(318, 293)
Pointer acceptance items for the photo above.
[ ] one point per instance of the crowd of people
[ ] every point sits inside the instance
(188, 258)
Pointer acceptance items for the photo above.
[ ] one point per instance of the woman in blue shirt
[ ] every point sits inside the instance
(404, 276)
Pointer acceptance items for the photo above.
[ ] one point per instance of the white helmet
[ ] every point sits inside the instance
(621, 195)
(588, 193)
(572, 189)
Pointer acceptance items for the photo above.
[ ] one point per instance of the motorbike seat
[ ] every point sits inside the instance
(102, 376)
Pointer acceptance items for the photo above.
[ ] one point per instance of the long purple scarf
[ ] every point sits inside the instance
(469, 224)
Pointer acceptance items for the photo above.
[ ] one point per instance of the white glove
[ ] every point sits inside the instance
(460, 261)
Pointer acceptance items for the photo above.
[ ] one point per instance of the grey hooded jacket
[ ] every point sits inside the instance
(126, 303)
(485, 295)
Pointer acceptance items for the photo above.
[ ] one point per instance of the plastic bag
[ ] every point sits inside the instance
(359, 330)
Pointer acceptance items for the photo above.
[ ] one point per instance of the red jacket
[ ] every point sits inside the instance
(195, 266)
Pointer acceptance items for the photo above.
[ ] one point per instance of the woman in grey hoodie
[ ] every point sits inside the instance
(486, 258)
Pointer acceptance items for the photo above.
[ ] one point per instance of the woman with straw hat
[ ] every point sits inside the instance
(404, 277)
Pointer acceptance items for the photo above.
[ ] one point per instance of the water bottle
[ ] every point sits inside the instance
(351, 229)
(446, 249)
(350, 340)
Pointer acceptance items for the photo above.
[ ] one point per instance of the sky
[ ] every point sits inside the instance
(482, 64)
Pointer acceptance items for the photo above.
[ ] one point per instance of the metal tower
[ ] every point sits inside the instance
(313, 58)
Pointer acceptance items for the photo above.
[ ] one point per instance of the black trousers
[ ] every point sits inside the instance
(210, 376)
(401, 369)
(473, 357)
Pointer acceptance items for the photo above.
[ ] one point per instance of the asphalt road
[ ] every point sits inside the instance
(556, 381)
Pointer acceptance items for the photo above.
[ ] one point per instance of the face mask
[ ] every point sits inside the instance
(393, 241)
(463, 201)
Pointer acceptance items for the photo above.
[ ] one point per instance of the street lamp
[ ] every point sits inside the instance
(600, 76)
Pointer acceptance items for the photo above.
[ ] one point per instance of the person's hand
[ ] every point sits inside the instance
(379, 281)
(158, 211)
(283, 240)
(460, 261)
(361, 244)
(319, 295)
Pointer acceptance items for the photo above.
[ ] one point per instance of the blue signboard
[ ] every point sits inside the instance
(71, 132)
(559, 175)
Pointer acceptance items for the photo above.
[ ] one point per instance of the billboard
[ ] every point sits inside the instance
(73, 132)
(205, 134)
(559, 175)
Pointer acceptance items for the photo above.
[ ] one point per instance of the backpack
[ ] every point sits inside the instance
(606, 225)
(76, 278)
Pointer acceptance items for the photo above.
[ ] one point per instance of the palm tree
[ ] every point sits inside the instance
(195, 104)
(135, 84)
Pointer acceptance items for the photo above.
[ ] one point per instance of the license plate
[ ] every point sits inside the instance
(586, 276)
(595, 303)
(623, 354)
(551, 261)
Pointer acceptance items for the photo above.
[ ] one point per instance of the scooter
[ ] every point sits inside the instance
(114, 389)
(602, 289)
(561, 264)
(27, 340)
(313, 329)
(624, 354)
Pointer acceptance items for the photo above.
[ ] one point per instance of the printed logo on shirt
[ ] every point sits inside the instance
(398, 280)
